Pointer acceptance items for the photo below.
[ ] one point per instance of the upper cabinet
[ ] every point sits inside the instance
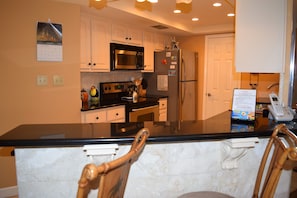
(94, 49)
(159, 42)
(123, 34)
(260, 36)
(152, 42)
(148, 44)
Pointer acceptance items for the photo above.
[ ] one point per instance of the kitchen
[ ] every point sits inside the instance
(73, 82)
(27, 103)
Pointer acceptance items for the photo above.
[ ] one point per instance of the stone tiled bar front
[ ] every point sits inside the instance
(179, 157)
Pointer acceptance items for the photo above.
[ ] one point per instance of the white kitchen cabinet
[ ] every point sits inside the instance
(124, 34)
(159, 42)
(94, 49)
(116, 114)
(110, 114)
(94, 116)
(148, 44)
(260, 35)
(163, 109)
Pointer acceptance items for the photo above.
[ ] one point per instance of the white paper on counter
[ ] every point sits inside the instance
(244, 104)
(162, 82)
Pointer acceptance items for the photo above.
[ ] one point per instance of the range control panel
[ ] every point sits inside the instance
(114, 87)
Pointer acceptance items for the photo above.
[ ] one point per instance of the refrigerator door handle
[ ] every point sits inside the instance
(183, 69)
(183, 93)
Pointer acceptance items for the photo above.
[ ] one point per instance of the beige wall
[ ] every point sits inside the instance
(263, 81)
(22, 101)
(197, 44)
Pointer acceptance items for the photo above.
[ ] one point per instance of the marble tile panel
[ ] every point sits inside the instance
(163, 170)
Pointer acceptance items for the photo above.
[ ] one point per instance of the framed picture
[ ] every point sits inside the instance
(49, 42)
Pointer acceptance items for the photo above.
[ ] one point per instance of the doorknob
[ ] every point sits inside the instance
(208, 94)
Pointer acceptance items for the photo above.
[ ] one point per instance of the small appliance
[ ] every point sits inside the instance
(126, 57)
(142, 109)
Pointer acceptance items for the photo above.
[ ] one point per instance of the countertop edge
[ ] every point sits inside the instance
(127, 140)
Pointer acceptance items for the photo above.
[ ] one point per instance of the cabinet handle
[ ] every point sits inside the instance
(117, 114)
(94, 64)
(97, 118)
(127, 38)
(90, 64)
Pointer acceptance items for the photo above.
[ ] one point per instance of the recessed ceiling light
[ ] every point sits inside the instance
(217, 4)
(140, 0)
(153, 1)
(230, 14)
(176, 11)
(195, 19)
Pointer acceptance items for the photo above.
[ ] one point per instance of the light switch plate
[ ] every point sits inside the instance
(41, 80)
(58, 80)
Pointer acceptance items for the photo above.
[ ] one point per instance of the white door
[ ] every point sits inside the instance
(220, 76)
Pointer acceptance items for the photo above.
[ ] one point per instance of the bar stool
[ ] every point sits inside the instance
(282, 147)
(111, 177)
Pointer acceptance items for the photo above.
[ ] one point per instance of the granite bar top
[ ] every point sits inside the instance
(77, 134)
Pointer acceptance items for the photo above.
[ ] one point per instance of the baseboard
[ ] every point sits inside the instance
(8, 191)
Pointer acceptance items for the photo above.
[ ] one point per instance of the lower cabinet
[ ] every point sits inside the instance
(163, 109)
(110, 114)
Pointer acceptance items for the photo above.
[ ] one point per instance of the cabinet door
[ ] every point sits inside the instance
(163, 103)
(163, 109)
(126, 35)
(85, 43)
(136, 37)
(148, 44)
(100, 45)
(159, 42)
(260, 35)
(162, 115)
(119, 33)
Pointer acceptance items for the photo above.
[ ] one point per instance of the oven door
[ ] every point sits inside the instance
(150, 113)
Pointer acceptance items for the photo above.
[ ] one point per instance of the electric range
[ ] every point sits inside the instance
(120, 93)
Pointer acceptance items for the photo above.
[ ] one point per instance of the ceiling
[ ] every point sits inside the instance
(211, 19)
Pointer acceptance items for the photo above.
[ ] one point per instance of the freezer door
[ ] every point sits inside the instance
(188, 100)
(188, 66)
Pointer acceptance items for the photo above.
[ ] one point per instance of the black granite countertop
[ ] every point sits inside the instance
(76, 134)
(101, 105)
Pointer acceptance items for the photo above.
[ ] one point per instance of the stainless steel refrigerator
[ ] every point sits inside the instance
(175, 77)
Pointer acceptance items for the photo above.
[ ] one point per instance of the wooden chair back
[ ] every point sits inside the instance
(111, 177)
(280, 153)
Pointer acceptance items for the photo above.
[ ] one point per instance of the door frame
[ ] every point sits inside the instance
(204, 96)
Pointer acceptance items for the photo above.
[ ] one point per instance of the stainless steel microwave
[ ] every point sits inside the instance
(126, 57)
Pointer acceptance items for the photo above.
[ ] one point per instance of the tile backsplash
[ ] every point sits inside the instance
(264, 83)
(87, 79)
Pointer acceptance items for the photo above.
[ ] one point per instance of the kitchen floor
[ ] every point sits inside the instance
(293, 186)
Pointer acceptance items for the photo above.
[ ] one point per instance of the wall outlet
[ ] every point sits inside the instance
(42, 80)
(58, 80)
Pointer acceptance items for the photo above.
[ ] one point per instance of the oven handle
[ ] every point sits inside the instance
(144, 108)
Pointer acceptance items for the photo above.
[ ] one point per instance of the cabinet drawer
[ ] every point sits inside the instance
(116, 113)
(162, 115)
(94, 117)
(163, 104)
